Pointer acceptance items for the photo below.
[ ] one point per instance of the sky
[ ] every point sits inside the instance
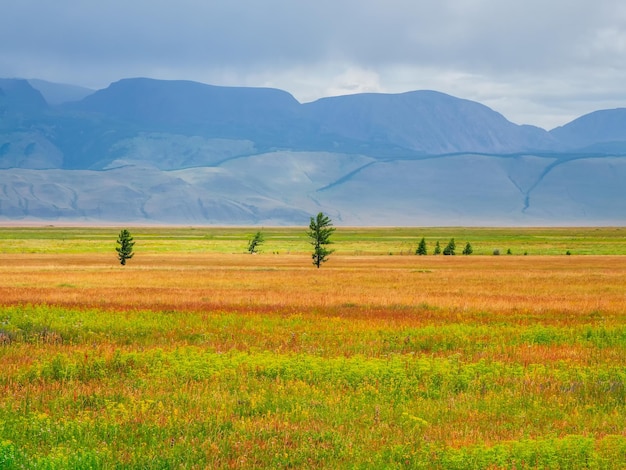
(539, 62)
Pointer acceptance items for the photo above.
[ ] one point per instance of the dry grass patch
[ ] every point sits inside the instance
(465, 285)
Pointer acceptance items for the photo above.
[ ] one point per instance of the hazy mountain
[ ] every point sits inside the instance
(57, 93)
(427, 122)
(145, 150)
(602, 130)
(18, 99)
(192, 108)
(411, 123)
(24, 134)
(285, 188)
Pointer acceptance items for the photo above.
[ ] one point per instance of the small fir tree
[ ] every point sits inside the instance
(450, 247)
(421, 248)
(254, 244)
(468, 250)
(320, 230)
(125, 246)
(437, 249)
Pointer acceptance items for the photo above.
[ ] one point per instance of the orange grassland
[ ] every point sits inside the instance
(553, 288)
(263, 361)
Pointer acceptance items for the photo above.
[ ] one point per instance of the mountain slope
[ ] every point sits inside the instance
(58, 93)
(600, 130)
(427, 122)
(156, 151)
(18, 99)
(193, 108)
(413, 123)
(25, 136)
(286, 188)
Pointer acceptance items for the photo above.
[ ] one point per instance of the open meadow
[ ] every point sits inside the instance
(198, 355)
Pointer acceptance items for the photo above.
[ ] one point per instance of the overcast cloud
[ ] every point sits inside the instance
(541, 62)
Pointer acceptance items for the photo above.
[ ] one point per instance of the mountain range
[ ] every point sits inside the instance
(164, 152)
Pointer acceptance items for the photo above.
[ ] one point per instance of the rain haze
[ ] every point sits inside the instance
(535, 62)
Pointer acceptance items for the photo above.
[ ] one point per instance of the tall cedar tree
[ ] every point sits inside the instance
(468, 250)
(125, 248)
(421, 248)
(437, 249)
(320, 230)
(255, 243)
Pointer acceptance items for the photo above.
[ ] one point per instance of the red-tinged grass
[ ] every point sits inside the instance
(561, 286)
(238, 361)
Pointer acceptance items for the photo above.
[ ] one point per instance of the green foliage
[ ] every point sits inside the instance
(421, 248)
(125, 246)
(570, 452)
(450, 248)
(153, 389)
(468, 250)
(320, 230)
(7, 454)
(254, 243)
(437, 249)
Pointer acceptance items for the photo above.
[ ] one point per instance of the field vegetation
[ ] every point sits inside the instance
(197, 354)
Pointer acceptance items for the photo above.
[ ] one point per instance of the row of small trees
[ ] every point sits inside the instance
(319, 233)
(450, 248)
(320, 230)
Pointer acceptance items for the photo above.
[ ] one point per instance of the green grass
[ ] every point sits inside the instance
(99, 389)
(347, 240)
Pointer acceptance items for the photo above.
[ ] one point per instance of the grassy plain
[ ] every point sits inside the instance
(196, 355)
(289, 240)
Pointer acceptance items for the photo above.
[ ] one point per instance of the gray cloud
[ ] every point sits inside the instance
(536, 62)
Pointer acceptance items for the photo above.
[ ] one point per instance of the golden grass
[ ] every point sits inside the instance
(558, 285)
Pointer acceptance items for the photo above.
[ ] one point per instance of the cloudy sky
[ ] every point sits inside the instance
(541, 62)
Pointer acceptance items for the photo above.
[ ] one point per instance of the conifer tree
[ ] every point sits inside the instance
(437, 249)
(320, 230)
(125, 248)
(468, 250)
(256, 241)
(450, 247)
(421, 248)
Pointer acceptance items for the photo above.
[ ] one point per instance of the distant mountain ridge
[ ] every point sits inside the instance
(366, 158)
(423, 122)
(58, 93)
(159, 105)
(428, 122)
(594, 129)
(19, 98)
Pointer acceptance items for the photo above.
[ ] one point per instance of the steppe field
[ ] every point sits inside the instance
(199, 355)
